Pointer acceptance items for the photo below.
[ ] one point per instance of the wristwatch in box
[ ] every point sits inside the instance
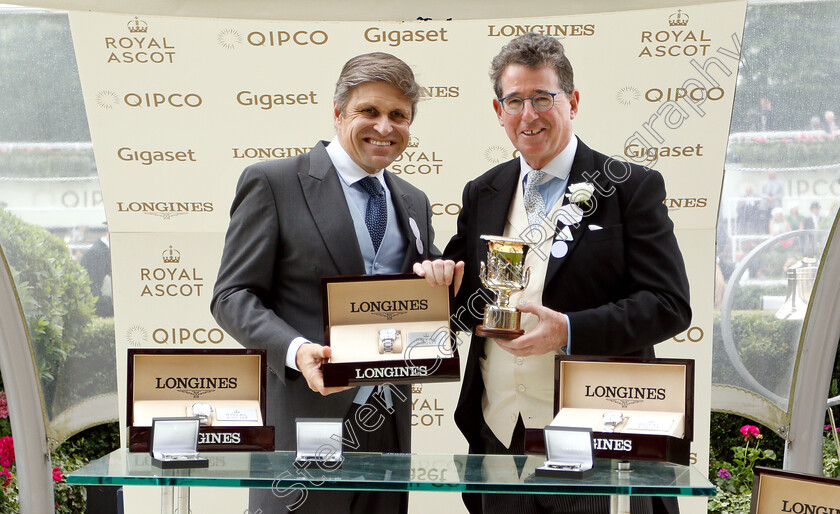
(390, 341)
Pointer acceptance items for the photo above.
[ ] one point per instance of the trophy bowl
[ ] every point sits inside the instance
(503, 274)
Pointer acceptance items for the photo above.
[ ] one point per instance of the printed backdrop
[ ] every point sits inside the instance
(177, 108)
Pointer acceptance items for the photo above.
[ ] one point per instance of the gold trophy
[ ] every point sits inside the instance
(504, 274)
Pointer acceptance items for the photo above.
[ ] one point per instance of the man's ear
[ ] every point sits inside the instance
(574, 101)
(498, 108)
(336, 114)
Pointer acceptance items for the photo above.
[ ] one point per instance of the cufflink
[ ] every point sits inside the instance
(390, 341)
(611, 419)
(203, 411)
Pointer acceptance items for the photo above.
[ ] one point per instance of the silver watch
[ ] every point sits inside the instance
(389, 341)
(611, 419)
(204, 412)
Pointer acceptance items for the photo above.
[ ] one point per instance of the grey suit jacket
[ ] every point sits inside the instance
(289, 226)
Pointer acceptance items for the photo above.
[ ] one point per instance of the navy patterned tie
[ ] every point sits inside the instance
(376, 213)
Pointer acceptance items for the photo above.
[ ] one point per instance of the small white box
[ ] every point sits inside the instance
(320, 440)
(174, 443)
(569, 453)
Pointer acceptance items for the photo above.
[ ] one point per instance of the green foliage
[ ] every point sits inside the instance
(68, 457)
(736, 476)
(74, 453)
(725, 434)
(43, 164)
(785, 153)
(748, 297)
(766, 345)
(91, 368)
(53, 289)
(90, 444)
(40, 94)
(729, 503)
(831, 463)
(68, 499)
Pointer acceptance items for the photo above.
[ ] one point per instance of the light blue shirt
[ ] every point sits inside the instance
(389, 258)
(556, 178)
(551, 188)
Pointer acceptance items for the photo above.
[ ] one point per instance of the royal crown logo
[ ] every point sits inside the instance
(171, 256)
(137, 26)
(413, 142)
(678, 19)
(416, 388)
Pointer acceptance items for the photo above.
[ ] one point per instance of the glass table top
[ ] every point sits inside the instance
(395, 472)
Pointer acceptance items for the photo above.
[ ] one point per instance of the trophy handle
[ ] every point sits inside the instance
(526, 278)
(482, 274)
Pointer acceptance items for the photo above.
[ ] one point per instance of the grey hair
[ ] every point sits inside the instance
(376, 67)
(533, 50)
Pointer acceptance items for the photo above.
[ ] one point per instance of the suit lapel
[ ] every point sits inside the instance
(328, 206)
(583, 162)
(406, 211)
(493, 204)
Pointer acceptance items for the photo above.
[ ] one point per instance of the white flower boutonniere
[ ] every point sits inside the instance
(580, 193)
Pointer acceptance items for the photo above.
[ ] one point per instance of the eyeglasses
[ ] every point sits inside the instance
(542, 102)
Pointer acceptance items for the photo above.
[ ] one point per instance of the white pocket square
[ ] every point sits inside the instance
(595, 227)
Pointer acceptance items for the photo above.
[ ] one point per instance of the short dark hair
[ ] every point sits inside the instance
(533, 50)
(376, 67)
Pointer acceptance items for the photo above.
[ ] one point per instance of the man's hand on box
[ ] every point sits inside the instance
(441, 272)
(309, 358)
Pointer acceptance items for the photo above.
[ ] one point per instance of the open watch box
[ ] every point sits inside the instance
(388, 329)
(636, 408)
(224, 389)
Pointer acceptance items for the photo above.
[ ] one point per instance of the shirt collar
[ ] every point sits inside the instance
(347, 169)
(559, 167)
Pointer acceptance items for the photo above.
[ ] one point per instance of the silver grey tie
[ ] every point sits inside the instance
(534, 203)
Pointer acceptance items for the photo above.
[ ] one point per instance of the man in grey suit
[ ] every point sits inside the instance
(332, 211)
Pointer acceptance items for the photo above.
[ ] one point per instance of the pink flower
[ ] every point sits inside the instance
(6, 477)
(58, 476)
(7, 451)
(724, 473)
(750, 431)
(4, 407)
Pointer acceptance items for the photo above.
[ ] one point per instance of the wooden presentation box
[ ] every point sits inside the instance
(775, 491)
(169, 383)
(638, 409)
(388, 329)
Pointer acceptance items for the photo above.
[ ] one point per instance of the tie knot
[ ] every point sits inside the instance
(534, 178)
(372, 186)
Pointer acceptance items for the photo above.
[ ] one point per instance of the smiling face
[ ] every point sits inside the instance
(539, 136)
(373, 129)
